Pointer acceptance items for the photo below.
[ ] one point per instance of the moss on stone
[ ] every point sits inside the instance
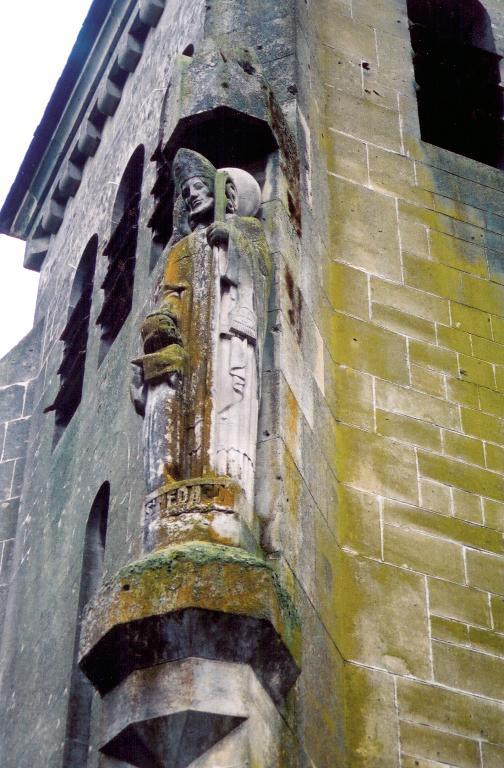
(188, 569)
(203, 553)
(200, 553)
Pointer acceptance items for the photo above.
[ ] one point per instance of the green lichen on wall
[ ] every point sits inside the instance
(201, 554)
(194, 575)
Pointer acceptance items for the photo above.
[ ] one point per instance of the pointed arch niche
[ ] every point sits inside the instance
(246, 144)
(80, 700)
(220, 104)
(121, 253)
(75, 338)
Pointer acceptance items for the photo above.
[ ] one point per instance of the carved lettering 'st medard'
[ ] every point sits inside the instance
(198, 383)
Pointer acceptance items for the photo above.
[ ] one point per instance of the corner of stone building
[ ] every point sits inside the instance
(378, 514)
(406, 291)
(19, 370)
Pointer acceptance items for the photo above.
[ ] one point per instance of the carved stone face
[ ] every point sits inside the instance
(198, 198)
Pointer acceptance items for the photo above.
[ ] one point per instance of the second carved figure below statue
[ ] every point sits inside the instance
(197, 384)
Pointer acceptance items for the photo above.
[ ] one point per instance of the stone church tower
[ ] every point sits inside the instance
(252, 462)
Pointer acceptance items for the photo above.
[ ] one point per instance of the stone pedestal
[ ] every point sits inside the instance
(194, 649)
(207, 509)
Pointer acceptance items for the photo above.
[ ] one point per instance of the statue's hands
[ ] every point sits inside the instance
(174, 379)
(137, 389)
(218, 234)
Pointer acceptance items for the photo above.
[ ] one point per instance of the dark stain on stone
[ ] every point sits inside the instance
(294, 312)
(247, 67)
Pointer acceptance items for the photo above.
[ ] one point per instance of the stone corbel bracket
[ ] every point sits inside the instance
(104, 105)
(222, 610)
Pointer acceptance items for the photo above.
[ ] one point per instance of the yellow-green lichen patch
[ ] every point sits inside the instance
(203, 575)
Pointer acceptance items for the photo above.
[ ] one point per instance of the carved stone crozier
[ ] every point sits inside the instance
(198, 383)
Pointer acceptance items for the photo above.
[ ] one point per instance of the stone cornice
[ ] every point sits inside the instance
(86, 95)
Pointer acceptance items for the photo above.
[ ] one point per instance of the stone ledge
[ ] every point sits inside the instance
(200, 600)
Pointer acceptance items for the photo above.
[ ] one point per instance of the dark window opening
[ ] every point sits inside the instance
(81, 693)
(121, 253)
(458, 78)
(248, 145)
(75, 337)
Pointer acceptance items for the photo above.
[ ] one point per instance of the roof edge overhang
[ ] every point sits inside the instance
(71, 98)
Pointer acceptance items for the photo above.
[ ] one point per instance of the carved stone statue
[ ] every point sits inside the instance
(197, 384)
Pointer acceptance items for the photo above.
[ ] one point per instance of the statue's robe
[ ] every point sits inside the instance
(207, 425)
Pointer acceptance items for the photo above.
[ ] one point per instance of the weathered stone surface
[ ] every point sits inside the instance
(456, 602)
(385, 348)
(451, 711)
(372, 463)
(443, 526)
(423, 553)
(468, 670)
(426, 742)
(89, 139)
(6, 477)
(109, 97)
(178, 711)
(8, 518)
(166, 595)
(11, 402)
(366, 630)
(22, 363)
(370, 722)
(16, 438)
(70, 180)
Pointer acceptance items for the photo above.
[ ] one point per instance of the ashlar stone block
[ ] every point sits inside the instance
(468, 670)
(493, 755)
(367, 348)
(370, 718)
(424, 554)
(380, 615)
(453, 711)
(11, 402)
(459, 603)
(465, 476)
(16, 439)
(431, 744)
(374, 463)
(443, 525)
(363, 228)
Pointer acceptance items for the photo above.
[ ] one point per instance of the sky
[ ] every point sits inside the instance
(35, 41)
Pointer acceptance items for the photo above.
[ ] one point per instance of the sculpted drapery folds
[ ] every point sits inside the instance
(198, 382)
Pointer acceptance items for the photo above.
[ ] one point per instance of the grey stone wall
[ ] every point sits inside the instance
(18, 369)
(103, 440)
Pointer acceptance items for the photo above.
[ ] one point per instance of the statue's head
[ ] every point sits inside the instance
(195, 179)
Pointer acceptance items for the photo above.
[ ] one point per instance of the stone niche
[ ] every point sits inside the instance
(220, 104)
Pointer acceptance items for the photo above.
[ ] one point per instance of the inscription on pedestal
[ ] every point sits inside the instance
(198, 495)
